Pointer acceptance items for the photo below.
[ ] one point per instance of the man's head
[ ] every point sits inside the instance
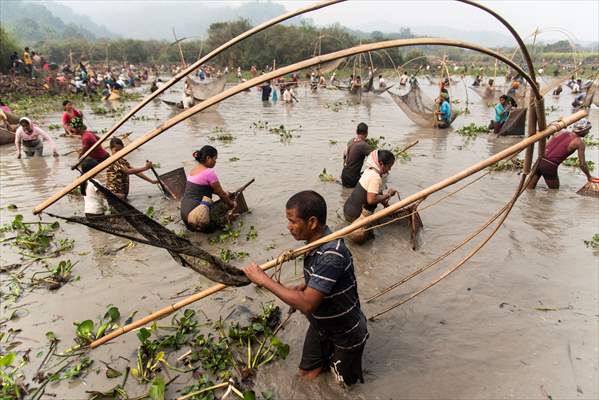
(306, 214)
(27, 49)
(362, 130)
(116, 145)
(503, 99)
(67, 105)
(582, 127)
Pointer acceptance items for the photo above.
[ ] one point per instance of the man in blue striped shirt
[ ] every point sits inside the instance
(329, 297)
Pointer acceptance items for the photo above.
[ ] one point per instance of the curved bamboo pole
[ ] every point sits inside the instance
(292, 254)
(267, 77)
(199, 63)
(523, 49)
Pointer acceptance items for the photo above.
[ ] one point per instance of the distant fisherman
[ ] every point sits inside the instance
(30, 138)
(69, 113)
(502, 112)
(443, 112)
(558, 149)
(353, 157)
(328, 297)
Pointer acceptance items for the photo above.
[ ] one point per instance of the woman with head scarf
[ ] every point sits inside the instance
(369, 192)
(31, 138)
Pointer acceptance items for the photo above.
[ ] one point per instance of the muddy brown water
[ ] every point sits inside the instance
(479, 334)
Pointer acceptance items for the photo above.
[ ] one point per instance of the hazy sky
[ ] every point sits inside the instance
(580, 18)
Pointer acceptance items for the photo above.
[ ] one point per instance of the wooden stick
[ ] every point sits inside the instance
(409, 146)
(203, 60)
(163, 188)
(267, 77)
(510, 151)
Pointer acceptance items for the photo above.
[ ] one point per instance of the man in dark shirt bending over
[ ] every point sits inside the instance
(329, 298)
(353, 158)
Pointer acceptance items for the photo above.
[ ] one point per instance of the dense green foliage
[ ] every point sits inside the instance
(8, 45)
(32, 23)
(284, 43)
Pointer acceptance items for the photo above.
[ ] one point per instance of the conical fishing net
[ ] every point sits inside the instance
(330, 66)
(206, 89)
(487, 93)
(515, 124)
(418, 107)
(128, 222)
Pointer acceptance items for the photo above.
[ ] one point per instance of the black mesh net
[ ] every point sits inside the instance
(515, 124)
(128, 222)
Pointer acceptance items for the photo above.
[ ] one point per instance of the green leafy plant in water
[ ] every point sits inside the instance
(228, 255)
(336, 106)
(380, 143)
(221, 135)
(252, 234)
(86, 331)
(149, 357)
(575, 162)
(549, 110)
(594, 242)
(229, 233)
(326, 177)
(514, 164)
(213, 354)
(76, 371)
(285, 134)
(56, 277)
(202, 389)
(16, 225)
(401, 155)
(259, 124)
(54, 127)
(590, 141)
(233, 159)
(150, 212)
(472, 130)
(11, 377)
(331, 141)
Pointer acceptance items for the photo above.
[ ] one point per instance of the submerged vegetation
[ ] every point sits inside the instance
(513, 164)
(594, 242)
(285, 134)
(575, 162)
(380, 144)
(326, 177)
(472, 130)
(220, 134)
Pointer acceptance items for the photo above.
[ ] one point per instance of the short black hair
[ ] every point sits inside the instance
(504, 97)
(65, 102)
(308, 204)
(362, 129)
(115, 141)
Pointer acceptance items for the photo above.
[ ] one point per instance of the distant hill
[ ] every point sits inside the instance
(155, 20)
(32, 22)
(68, 16)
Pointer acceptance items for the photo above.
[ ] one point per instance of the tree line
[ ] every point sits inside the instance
(283, 44)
